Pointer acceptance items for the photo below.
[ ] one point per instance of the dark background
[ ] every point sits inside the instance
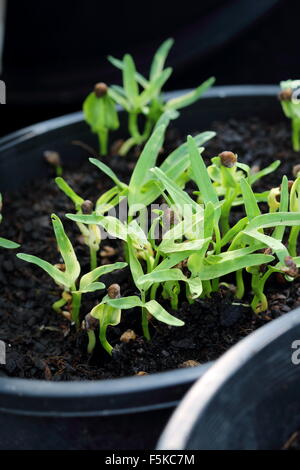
(56, 50)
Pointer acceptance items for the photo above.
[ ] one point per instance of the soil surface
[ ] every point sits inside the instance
(43, 345)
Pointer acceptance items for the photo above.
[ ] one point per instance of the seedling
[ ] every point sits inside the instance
(67, 275)
(291, 107)
(4, 243)
(53, 158)
(100, 113)
(139, 97)
(92, 234)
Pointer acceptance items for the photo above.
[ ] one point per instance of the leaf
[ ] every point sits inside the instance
(134, 264)
(174, 166)
(118, 98)
(161, 314)
(94, 112)
(283, 207)
(66, 249)
(68, 191)
(235, 230)
(208, 272)
(266, 171)
(119, 65)
(53, 272)
(276, 245)
(274, 219)
(191, 97)
(172, 275)
(108, 172)
(94, 286)
(146, 161)
(124, 303)
(190, 225)
(251, 206)
(129, 80)
(153, 89)
(111, 224)
(169, 246)
(200, 175)
(111, 114)
(180, 198)
(93, 275)
(4, 243)
(159, 59)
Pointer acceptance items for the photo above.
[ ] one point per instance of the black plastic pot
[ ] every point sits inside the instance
(249, 399)
(124, 413)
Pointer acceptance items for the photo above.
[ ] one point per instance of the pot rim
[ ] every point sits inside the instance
(225, 91)
(131, 386)
(191, 408)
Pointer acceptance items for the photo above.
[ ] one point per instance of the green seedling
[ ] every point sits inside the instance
(291, 107)
(91, 234)
(53, 158)
(67, 275)
(141, 98)
(4, 243)
(99, 111)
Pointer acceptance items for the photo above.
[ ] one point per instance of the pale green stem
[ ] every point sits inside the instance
(296, 134)
(92, 341)
(240, 288)
(145, 323)
(293, 240)
(103, 141)
(93, 258)
(76, 304)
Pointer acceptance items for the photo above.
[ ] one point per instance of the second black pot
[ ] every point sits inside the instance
(249, 399)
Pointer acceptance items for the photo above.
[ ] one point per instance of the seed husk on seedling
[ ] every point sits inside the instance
(67, 275)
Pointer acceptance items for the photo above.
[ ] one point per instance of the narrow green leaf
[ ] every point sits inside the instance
(200, 175)
(251, 206)
(154, 87)
(108, 172)
(134, 264)
(236, 229)
(118, 98)
(66, 249)
(4, 243)
(264, 172)
(191, 97)
(68, 191)
(274, 219)
(124, 303)
(208, 272)
(93, 287)
(119, 65)
(130, 83)
(146, 161)
(160, 57)
(161, 314)
(92, 276)
(58, 276)
(111, 224)
(283, 207)
(180, 198)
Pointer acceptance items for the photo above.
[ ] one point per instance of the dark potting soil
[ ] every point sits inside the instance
(42, 344)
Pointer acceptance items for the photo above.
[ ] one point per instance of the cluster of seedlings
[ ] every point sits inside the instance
(190, 245)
